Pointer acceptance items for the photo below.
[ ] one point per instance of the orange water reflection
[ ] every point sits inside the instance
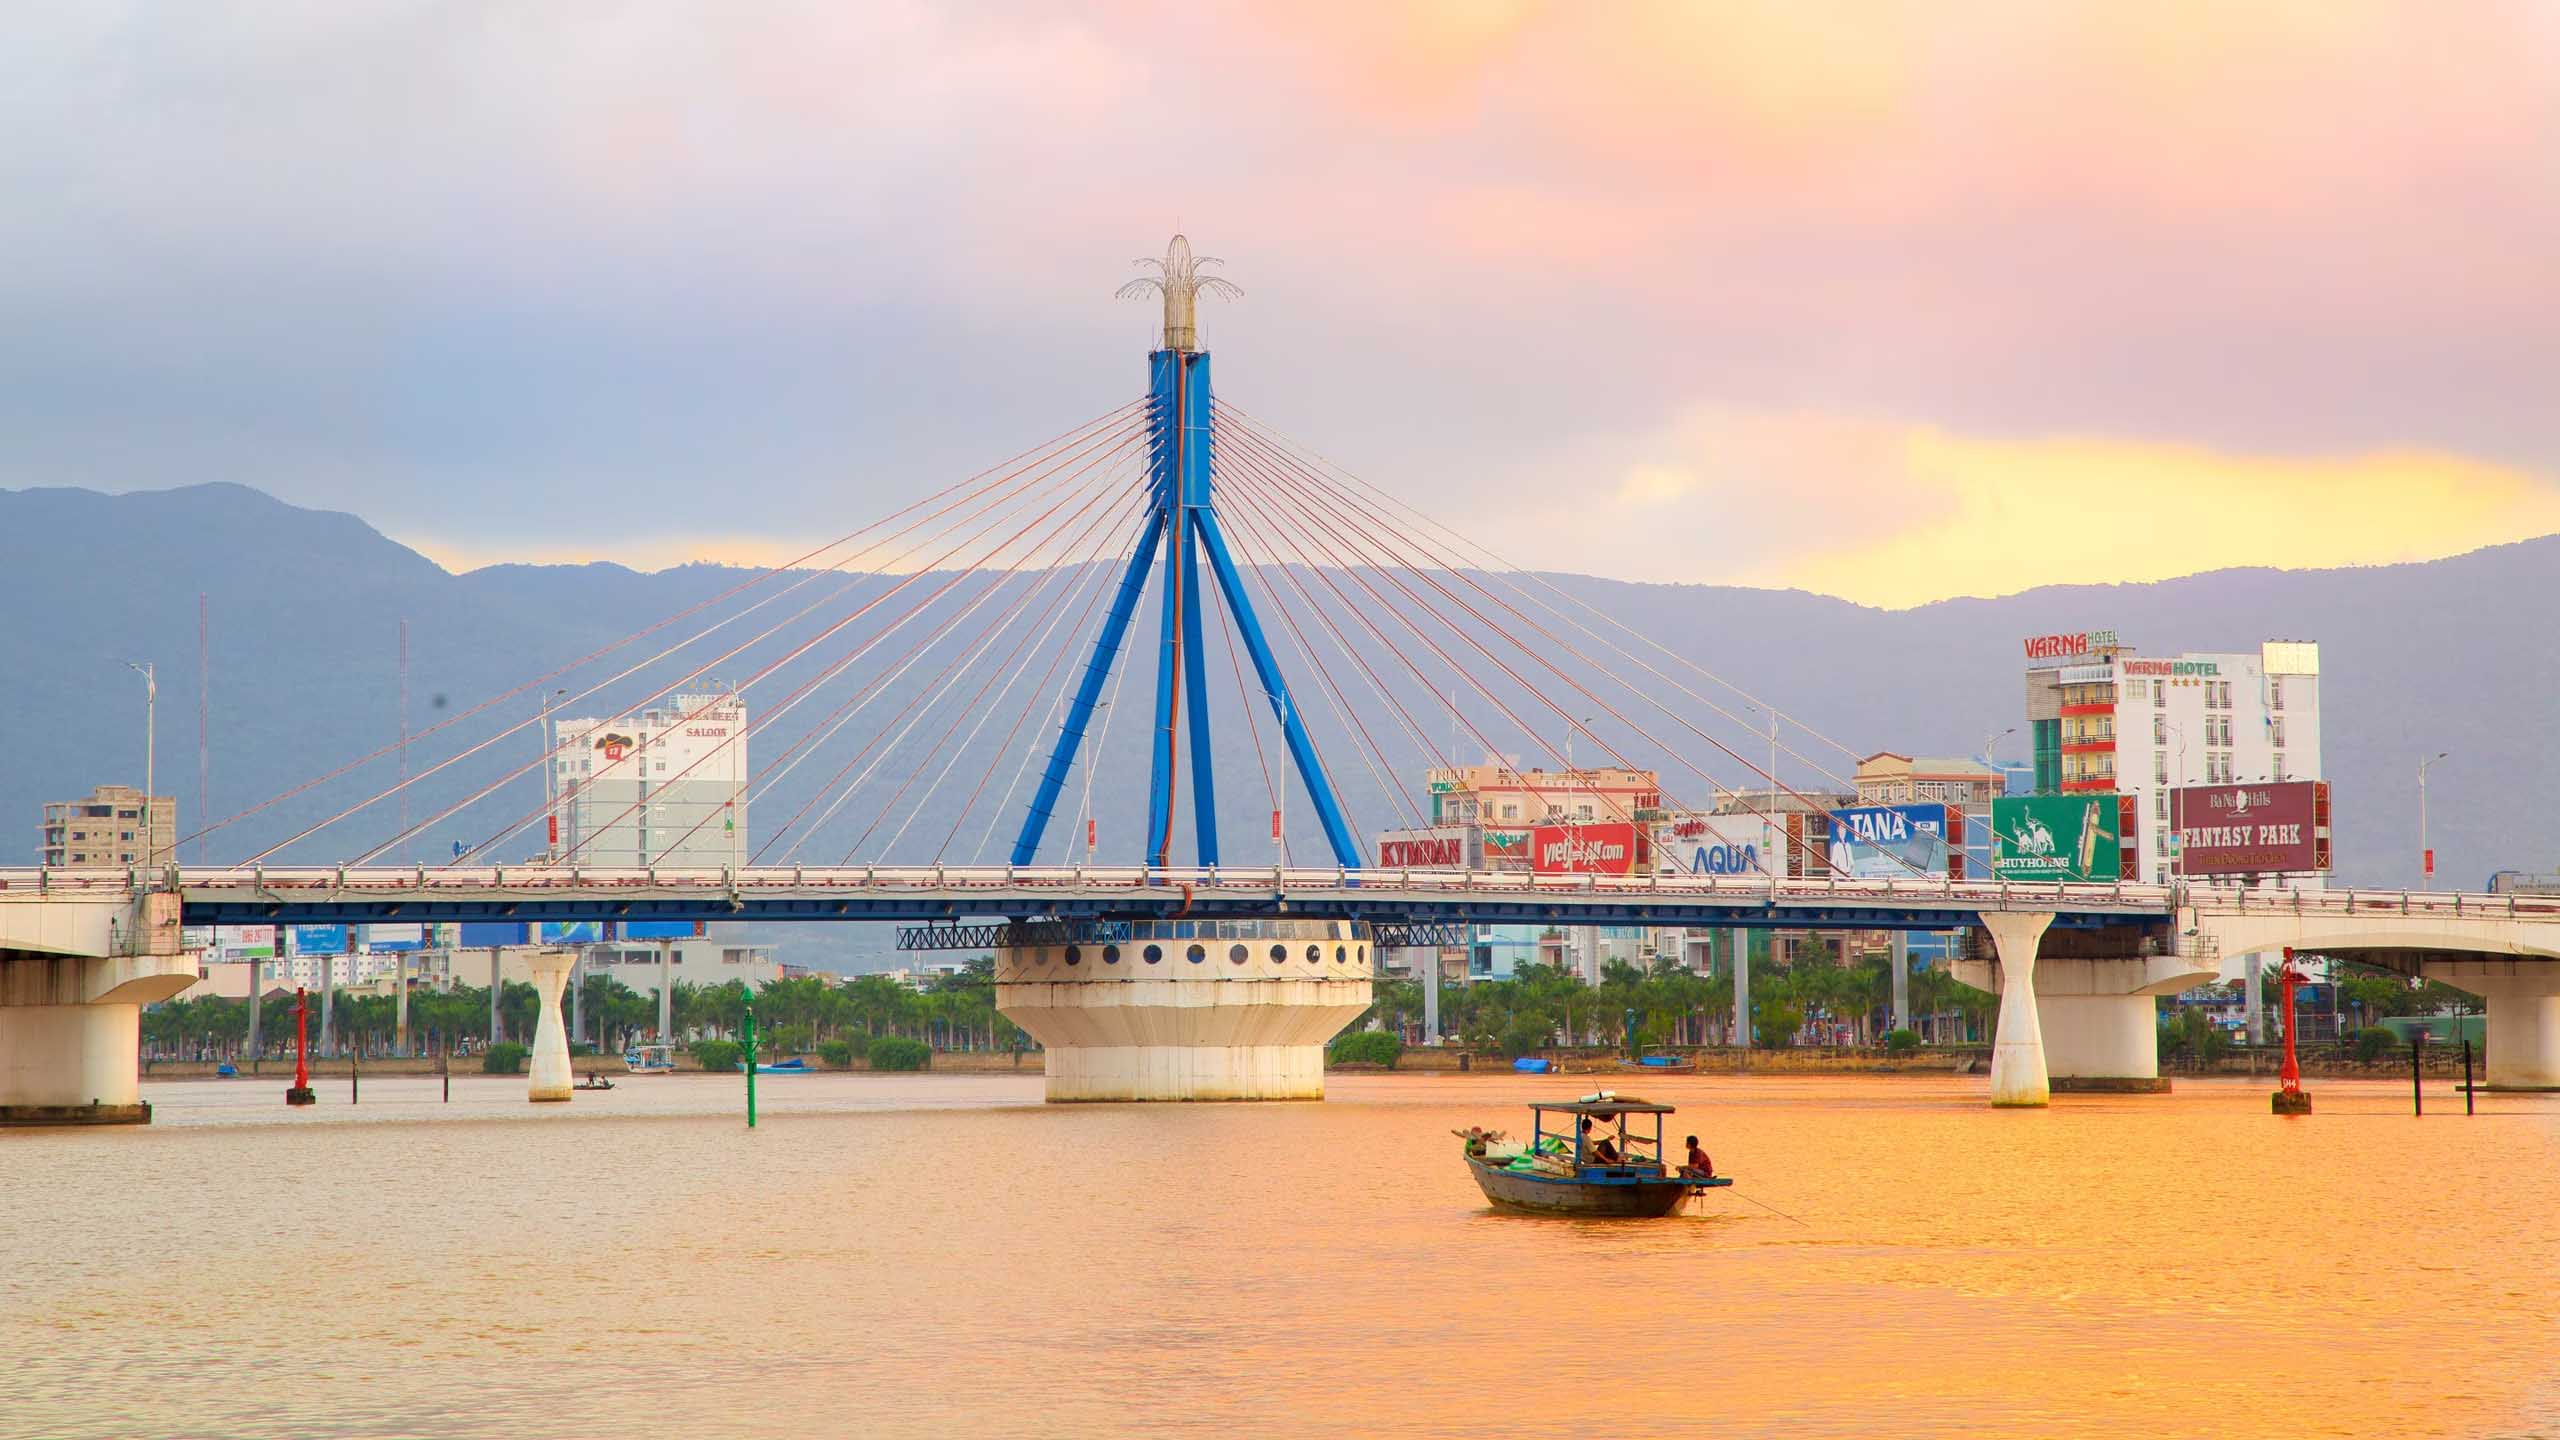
(939, 1255)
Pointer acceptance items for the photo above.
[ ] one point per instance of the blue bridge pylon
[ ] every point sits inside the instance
(1182, 523)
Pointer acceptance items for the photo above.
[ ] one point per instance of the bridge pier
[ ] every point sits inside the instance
(2018, 1077)
(1189, 1010)
(547, 1070)
(2523, 1000)
(74, 976)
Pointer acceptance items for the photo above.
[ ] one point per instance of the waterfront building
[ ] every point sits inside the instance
(112, 825)
(663, 787)
(2102, 717)
(1506, 804)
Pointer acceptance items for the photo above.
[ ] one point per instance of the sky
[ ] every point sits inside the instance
(1887, 301)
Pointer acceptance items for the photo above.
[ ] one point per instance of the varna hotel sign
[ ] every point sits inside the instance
(2069, 643)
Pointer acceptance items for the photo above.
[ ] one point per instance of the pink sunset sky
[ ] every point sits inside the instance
(1889, 301)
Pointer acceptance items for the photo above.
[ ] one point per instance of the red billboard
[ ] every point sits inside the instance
(2253, 829)
(1616, 848)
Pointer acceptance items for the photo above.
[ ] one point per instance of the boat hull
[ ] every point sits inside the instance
(1608, 1199)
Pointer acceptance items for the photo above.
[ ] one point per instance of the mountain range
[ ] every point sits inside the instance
(301, 672)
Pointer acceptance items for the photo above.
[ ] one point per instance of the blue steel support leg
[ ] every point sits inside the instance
(1160, 776)
(1346, 851)
(1195, 677)
(1097, 669)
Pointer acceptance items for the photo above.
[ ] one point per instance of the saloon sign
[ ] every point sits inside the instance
(2263, 829)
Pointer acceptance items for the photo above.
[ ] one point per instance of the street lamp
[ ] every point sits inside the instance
(150, 752)
(2426, 857)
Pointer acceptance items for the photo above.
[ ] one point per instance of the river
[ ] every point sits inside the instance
(942, 1255)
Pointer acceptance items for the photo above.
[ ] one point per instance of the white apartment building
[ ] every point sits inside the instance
(664, 787)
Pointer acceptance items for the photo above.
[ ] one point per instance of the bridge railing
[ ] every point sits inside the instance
(311, 882)
(2435, 904)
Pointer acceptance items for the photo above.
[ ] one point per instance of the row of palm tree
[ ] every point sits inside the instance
(957, 1013)
(1812, 998)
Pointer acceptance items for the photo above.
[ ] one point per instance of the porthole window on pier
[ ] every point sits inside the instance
(1196, 954)
(1340, 955)
(1074, 956)
(1315, 954)
(1154, 953)
(1279, 952)
(1237, 953)
(1110, 954)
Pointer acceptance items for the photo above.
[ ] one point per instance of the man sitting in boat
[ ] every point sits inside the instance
(1597, 1148)
(1699, 1166)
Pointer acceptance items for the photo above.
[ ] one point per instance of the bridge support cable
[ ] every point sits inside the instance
(979, 504)
(1259, 538)
(873, 689)
(1093, 491)
(1273, 508)
(1253, 730)
(975, 704)
(1119, 417)
(1031, 747)
(1500, 566)
(1345, 707)
(1382, 553)
(781, 766)
(1090, 584)
(1387, 552)
(968, 544)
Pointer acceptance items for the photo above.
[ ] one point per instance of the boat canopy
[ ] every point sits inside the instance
(1604, 1105)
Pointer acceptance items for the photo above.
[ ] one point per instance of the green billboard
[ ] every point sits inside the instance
(2055, 837)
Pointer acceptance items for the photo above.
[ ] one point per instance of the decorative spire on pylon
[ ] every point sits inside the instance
(1179, 280)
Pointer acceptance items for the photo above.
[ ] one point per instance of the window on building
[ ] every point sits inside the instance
(2159, 729)
(2275, 731)
(2279, 771)
(2275, 693)
(2160, 807)
(2159, 767)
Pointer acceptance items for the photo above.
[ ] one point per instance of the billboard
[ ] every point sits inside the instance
(1614, 848)
(660, 929)
(477, 934)
(1444, 847)
(2057, 837)
(2277, 828)
(395, 937)
(319, 939)
(1889, 842)
(1713, 845)
(572, 932)
(247, 942)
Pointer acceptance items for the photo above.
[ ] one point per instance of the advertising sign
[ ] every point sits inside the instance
(1614, 848)
(1714, 845)
(1889, 842)
(395, 937)
(2255, 829)
(572, 932)
(1442, 847)
(660, 929)
(2056, 837)
(480, 934)
(319, 939)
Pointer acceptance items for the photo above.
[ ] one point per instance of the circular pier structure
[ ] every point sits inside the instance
(1187, 1009)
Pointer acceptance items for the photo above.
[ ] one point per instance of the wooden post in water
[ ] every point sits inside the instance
(2417, 1073)
(355, 1064)
(750, 1032)
(447, 1069)
(2467, 1092)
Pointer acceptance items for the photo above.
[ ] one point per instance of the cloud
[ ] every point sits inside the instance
(1897, 514)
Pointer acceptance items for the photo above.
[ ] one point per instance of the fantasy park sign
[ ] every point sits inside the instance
(2267, 829)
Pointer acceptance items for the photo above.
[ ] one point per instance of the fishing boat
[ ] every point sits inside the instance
(1558, 1173)
(1661, 1065)
(793, 1066)
(650, 1059)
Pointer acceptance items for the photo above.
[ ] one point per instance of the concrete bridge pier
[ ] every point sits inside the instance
(2018, 1076)
(74, 976)
(2523, 999)
(547, 1070)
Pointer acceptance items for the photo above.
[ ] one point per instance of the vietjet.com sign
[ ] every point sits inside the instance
(1616, 848)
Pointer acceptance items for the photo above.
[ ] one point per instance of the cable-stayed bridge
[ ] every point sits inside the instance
(928, 696)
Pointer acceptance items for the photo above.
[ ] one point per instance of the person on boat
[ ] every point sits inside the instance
(1598, 1146)
(1699, 1166)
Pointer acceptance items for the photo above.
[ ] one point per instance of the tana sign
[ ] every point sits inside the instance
(2056, 837)
(2258, 829)
(1889, 842)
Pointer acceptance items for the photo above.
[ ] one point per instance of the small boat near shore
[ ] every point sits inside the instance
(1558, 1173)
(650, 1059)
(793, 1066)
(1660, 1065)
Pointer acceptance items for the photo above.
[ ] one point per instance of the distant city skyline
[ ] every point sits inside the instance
(1893, 307)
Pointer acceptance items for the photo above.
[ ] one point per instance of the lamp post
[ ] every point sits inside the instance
(2426, 857)
(551, 784)
(150, 752)
(1099, 706)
